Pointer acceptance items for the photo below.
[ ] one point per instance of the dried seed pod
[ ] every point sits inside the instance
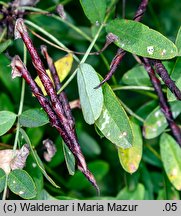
(69, 135)
(10, 160)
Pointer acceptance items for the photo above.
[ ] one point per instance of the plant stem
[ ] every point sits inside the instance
(145, 88)
(154, 152)
(5, 188)
(86, 54)
(76, 29)
(131, 112)
(50, 36)
(82, 61)
(3, 33)
(20, 106)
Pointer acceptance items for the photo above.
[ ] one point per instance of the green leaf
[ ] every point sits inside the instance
(94, 10)
(156, 122)
(175, 75)
(113, 121)
(7, 120)
(2, 179)
(137, 76)
(98, 168)
(139, 39)
(171, 154)
(21, 183)
(91, 99)
(33, 118)
(69, 159)
(137, 194)
(88, 144)
(37, 159)
(36, 174)
(130, 158)
(178, 41)
(4, 45)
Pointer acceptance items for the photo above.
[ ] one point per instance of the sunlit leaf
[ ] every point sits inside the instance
(156, 123)
(94, 10)
(113, 121)
(130, 158)
(178, 41)
(91, 99)
(139, 39)
(21, 183)
(171, 154)
(7, 120)
(137, 194)
(33, 118)
(63, 67)
(2, 179)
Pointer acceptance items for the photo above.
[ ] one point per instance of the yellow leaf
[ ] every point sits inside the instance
(130, 158)
(63, 66)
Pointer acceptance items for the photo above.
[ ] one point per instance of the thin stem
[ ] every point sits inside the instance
(5, 145)
(82, 61)
(49, 35)
(3, 33)
(52, 8)
(131, 112)
(20, 106)
(76, 29)
(145, 88)
(123, 8)
(5, 188)
(153, 151)
(59, 19)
